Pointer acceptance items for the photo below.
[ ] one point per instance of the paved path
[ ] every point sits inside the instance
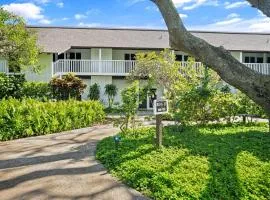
(59, 166)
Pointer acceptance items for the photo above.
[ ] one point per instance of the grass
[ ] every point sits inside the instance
(212, 162)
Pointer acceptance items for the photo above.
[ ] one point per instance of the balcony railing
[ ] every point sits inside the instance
(94, 67)
(262, 68)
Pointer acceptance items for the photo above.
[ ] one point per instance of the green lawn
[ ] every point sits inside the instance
(214, 162)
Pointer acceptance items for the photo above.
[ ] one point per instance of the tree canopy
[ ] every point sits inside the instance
(253, 84)
(17, 43)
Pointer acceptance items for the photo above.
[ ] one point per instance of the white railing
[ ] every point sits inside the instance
(123, 67)
(262, 68)
(94, 67)
(3, 66)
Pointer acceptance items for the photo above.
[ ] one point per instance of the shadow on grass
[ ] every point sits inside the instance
(221, 150)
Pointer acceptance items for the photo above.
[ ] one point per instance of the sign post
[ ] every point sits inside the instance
(160, 107)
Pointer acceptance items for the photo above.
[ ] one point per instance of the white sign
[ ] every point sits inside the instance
(160, 107)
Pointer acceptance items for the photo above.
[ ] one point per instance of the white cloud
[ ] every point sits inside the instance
(256, 24)
(80, 16)
(228, 22)
(89, 24)
(44, 21)
(232, 15)
(93, 11)
(60, 4)
(41, 1)
(192, 4)
(65, 18)
(29, 11)
(237, 4)
(183, 15)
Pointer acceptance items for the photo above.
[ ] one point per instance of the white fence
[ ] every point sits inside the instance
(262, 68)
(94, 67)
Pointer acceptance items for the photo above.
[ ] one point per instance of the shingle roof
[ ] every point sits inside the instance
(60, 39)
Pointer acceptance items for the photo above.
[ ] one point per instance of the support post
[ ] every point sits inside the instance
(159, 131)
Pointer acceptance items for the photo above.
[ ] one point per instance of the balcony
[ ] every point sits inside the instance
(262, 68)
(94, 67)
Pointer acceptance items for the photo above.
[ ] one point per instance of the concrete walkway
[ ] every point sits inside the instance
(59, 166)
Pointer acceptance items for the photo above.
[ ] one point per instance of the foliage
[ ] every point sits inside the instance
(110, 91)
(130, 104)
(208, 162)
(67, 87)
(11, 85)
(31, 117)
(94, 92)
(37, 90)
(17, 43)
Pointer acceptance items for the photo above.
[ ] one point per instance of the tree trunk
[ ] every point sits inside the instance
(253, 84)
(159, 131)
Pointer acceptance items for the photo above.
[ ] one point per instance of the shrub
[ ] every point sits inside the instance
(37, 90)
(110, 91)
(11, 85)
(207, 162)
(67, 87)
(31, 117)
(130, 104)
(94, 92)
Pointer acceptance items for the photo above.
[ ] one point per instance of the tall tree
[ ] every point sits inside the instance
(255, 85)
(17, 43)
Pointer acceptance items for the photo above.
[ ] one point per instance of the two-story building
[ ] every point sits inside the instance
(107, 55)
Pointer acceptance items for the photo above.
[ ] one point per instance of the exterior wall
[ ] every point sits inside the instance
(106, 53)
(102, 81)
(237, 55)
(119, 54)
(87, 81)
(45, 75)
(85, 53)
(120, 84)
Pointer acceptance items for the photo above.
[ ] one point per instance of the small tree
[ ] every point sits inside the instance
(110, 91)
(18, 45)
(94, 92)
(130, 104)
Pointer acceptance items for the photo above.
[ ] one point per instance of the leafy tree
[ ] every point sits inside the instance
(110, 91)
(17, 43)
(253, 84)
(130, 103)
(94, 92)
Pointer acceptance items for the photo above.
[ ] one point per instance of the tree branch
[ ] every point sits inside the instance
(255, 85)
(262, 5)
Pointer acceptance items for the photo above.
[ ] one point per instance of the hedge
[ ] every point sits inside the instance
(30, 117)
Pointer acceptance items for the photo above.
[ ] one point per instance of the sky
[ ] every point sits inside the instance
(209, 15)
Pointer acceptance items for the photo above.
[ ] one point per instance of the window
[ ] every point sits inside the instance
(178, 58)
(268, 60)
(259, 59)
(186, 58)
(61, 56)
(246, 59)
(130, 56)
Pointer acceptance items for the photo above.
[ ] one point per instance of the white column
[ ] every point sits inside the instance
(241, 57)
(264, 58)
(52, 68)
(100, 58)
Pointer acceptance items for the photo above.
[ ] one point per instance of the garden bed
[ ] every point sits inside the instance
(210, 162)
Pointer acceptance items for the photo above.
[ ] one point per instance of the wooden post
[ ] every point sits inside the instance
(159, 131)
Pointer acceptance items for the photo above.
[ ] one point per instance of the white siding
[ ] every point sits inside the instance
(119, 54)
(45, 75)
(120, 84)
(102, 81)
(106, 53)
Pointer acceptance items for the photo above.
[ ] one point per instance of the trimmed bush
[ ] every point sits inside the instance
(31, 117)
(37, 90)
(11, 86)
(67, 87)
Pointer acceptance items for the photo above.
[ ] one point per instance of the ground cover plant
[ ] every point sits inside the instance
(206, 162)
(29, 117)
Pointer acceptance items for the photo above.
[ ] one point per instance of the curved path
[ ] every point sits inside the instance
(59, 166)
